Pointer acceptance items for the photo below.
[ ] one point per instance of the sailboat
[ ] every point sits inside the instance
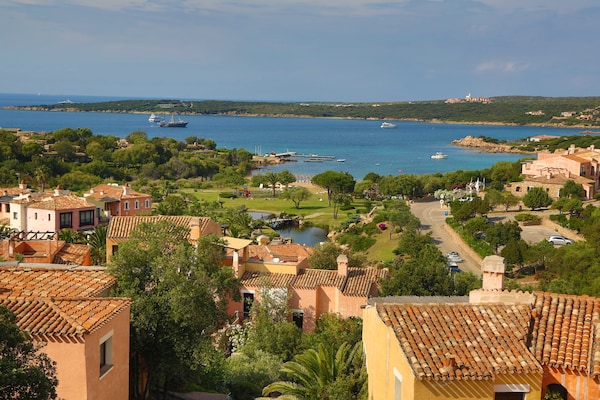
(172, 123)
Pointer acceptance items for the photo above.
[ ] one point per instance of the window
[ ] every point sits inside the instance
(510, 392)
(298, 318)
(106, 353)
(86, 218)
(66, 220)
(126, 205)
(15, 215)
(147, 203)
(248, 300)
(34, 215)
(115, 248)
(397, 385)
(7, 208)
(49, 219)
(136, 205)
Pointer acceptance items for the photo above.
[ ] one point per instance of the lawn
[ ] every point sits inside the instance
(313, 210)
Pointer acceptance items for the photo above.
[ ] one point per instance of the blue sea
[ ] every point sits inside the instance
(363, 145)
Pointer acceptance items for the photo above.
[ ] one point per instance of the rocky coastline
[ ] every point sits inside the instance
(489, 147)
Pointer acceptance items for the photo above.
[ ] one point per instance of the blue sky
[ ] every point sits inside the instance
(300, 50)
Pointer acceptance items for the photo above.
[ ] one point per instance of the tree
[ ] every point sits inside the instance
(318, 374)
(172, 204)
(272, 179)
(296, 194)
(25, 372)
(179, 298)
(572, 190)
(536, 197)
(338, 185)
(286, 177)
(325, 257)
(97, 242)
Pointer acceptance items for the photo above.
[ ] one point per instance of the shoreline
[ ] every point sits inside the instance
(236, 114)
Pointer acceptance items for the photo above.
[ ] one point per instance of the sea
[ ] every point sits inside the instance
(354, 146)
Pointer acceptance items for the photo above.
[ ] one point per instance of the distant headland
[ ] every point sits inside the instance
(582, 112)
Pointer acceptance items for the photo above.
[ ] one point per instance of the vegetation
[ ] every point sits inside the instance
(25, 372)
(179, 301)
(519, 110)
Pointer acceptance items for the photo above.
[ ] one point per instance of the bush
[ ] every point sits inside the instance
(528, 219)
(228, 195)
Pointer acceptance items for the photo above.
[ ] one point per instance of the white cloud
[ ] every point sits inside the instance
(501, 66)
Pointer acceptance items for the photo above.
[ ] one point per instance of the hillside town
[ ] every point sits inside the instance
(491, 342)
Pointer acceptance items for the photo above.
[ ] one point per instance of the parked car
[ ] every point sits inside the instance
(559, 240)
(455, 269)
(453, 256)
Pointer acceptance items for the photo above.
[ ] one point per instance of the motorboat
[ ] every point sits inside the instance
(155, 118)
(439, 155)
(341, 160)
(387, 125)
(173, 123)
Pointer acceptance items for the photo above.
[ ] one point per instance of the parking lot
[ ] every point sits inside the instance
(433, 219)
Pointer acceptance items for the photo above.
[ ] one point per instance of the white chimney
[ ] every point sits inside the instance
(342, 265)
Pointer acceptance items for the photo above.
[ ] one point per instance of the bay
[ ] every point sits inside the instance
(362, 144)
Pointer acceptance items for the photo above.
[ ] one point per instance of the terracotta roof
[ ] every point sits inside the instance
(566, 332)
(59, 282)
(120, 227)
(462, 341)
(292, 252)
(72, 254)
(112, 192)
(258, 279)
(63, 202)
(49, 316)
(358, 283)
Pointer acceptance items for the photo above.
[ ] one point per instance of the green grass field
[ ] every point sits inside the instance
(313, 210)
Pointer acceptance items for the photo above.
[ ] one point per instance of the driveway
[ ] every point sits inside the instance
(433, 219)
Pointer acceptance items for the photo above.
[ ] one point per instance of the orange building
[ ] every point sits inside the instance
(120, 228)
(84, 332)
(115, 200)
(581, 165)
(495, 344)
(281, 271)
(44, 251)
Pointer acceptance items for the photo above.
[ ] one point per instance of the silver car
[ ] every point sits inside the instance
(559, 240)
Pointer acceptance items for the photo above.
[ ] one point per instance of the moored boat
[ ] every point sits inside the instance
(439, 155)
(155, 118)
(387, 125)
(172, 123)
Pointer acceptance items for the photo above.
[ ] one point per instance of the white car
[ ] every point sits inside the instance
(454, 257)
(559, 240)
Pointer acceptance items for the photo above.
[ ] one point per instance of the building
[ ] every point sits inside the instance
(494, 344)
(49, 212)
(580, 165)
(119, 228)
(44, 251)
(281, 272)
(117, 200)
(66, 309)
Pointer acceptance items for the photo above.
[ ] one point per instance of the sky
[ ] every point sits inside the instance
(300, 50)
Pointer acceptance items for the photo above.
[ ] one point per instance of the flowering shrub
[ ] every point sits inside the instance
(382, 226)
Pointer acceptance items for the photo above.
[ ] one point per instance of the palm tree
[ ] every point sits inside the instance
(314, 371)
(97, 241)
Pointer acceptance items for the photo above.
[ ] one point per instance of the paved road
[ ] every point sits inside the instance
(433, 219)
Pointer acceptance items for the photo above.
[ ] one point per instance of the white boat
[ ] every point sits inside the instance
(341, 160)
(155, 118)
(387, 125)
(439, 155)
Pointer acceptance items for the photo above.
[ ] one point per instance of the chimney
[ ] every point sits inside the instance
(126, 189)
(57, 191)
(22, 185)
(493, 268)
(342, 265)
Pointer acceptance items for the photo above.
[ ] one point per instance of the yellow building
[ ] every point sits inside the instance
(495, 344)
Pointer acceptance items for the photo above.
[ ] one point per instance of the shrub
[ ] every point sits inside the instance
(228, 195)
